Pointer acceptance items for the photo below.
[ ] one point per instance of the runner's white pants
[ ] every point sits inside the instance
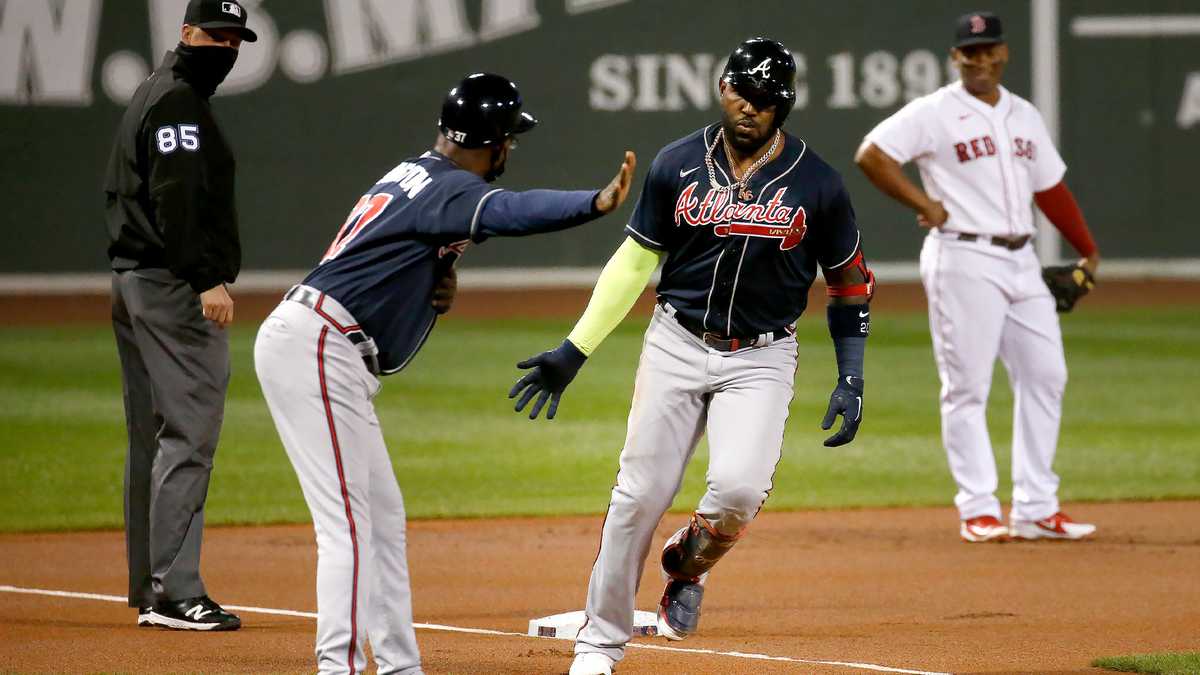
(682, 389)
(320, 395)
(987, 301)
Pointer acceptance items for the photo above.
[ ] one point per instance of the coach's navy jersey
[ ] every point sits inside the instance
(413, 224)
(742, 268)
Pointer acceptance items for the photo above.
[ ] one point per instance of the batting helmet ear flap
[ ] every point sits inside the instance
(763, 72)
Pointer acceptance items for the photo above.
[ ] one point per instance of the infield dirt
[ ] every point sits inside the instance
(889, 587)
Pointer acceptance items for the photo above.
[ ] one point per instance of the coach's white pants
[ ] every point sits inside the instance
(986, 301)
(683, 388)
(320, 396)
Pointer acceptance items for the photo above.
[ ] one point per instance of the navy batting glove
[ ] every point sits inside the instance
(552, 372)
(847, 401)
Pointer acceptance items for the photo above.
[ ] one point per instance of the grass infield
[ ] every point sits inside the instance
(1129, 430)
(1182, 663)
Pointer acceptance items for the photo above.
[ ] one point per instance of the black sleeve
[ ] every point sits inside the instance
(176, 135)
(518, 214)
(462, 206)
(836, 235)
(653, 218)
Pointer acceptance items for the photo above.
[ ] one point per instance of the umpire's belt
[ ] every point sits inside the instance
(1010, 243)
(722, 342)
(337, 316)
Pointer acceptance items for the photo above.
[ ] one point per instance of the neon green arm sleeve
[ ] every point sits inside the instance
(620, 284)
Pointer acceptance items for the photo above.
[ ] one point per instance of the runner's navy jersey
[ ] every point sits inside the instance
(412, 225)
(742, 268)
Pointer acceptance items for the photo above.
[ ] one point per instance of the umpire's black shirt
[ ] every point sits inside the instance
(170, 178)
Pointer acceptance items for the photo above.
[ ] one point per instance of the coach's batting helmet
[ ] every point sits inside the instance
(764, 73)
(483, 109)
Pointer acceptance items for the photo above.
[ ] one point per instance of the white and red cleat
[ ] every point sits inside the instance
(1057, 526)
(983, 528)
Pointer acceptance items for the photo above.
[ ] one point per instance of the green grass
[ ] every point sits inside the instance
(1129, 430)
(1185, 663)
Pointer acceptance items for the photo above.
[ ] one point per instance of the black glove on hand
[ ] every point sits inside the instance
(846, 400)
(1068, 283)
(552, 372)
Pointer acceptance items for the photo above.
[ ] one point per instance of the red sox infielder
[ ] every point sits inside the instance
(984, 154)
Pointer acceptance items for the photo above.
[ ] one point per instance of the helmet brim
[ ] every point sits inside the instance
(755, 88)
(524, 123)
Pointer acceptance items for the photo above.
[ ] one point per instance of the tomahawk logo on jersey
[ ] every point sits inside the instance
(727, 216)
(764, 250)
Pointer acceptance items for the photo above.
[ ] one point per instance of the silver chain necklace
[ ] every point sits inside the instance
(742, 183)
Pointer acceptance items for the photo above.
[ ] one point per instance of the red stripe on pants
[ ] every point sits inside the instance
(337, 456)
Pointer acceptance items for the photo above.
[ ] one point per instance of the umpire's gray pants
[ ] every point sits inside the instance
(175, 370)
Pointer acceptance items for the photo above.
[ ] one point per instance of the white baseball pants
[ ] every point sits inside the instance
(683, 387)
(987, 301)
(320, 395)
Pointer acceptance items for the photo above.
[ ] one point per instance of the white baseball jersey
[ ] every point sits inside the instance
(982, 162)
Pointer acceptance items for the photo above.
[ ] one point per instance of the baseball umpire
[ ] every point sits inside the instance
(173, 247)
(365, 311)
(741, 214)
(985, 157)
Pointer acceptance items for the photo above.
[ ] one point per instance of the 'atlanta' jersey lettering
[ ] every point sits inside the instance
(743, 268)
(772, 221)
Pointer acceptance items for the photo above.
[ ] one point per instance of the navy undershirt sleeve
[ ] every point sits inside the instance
(516, 214)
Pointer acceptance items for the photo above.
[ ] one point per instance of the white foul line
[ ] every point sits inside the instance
(485, 631)
(1144, 25)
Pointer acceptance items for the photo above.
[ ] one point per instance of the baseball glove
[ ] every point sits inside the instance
(1068, 283)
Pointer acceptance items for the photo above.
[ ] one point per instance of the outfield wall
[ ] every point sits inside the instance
(336, 92)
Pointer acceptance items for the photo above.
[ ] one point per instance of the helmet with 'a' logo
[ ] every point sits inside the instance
(483, 109)
(763, 72)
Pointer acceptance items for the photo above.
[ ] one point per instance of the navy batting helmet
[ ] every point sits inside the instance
(483, 109)
(763, 72)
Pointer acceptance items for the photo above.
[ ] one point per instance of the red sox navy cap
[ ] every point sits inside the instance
(978, 28)
(227, 14)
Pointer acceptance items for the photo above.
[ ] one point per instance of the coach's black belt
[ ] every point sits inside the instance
(313, 299)
(1010, 243)
(727, 343)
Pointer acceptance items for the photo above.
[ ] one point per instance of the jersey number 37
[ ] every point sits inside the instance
(366, 210)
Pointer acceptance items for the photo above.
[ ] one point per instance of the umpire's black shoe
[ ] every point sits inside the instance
(679, 609)
(144, 617)
(193, 614)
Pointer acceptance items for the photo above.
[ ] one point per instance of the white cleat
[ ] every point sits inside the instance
(592, 663)
(1057, 526)
(982, 529)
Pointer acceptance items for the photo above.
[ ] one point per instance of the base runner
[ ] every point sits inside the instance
(741, 214)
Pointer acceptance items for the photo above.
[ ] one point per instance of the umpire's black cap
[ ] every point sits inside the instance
(483, 109)
(978, 28)
(226, 14)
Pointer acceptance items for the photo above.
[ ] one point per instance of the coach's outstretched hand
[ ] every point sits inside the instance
(552, 372)
(846, 401)
(614, 194)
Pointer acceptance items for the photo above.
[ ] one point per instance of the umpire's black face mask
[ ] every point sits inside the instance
(207, 66)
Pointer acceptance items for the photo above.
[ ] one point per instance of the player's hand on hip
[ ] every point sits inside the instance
(847, 401)
(933, 215)
(444, 290)
(551, 372)
(217, 306)
(614, 194)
